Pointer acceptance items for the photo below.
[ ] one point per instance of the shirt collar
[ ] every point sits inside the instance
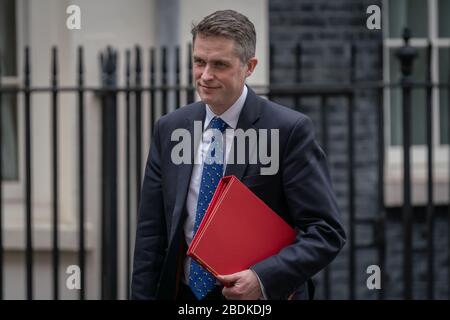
(231, 116)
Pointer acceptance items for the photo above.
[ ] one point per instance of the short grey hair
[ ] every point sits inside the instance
(232, 25)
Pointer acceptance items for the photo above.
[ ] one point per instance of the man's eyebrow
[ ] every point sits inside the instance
(212, 60)
(220, 60)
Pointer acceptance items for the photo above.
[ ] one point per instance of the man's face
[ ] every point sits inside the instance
(218, 71)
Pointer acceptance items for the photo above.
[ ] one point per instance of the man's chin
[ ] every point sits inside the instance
(209, 102)
(207, 99)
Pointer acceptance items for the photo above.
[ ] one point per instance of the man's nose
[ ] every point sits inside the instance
(207, 75)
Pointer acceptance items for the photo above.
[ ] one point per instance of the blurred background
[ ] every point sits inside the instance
(78, 108)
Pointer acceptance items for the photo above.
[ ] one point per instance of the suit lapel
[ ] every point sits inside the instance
(249, 115)
(185, 170)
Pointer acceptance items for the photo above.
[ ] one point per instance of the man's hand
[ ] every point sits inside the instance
(242, 285)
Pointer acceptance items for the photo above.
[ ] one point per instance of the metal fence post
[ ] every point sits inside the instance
(406, 55)
(109, 175)
(1, 185)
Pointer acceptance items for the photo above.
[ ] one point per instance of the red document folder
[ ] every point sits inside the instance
(238, 230)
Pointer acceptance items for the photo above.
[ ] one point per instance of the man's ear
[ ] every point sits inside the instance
(251, 65)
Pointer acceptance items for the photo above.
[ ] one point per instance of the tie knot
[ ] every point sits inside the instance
(218, 123)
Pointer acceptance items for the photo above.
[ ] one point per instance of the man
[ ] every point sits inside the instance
(174, 196)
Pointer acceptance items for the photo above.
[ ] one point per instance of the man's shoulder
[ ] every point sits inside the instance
(178, 117)
(281, 116)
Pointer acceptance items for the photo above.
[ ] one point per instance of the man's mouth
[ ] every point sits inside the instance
(208, 87)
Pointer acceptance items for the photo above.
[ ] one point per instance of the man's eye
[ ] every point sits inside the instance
(220, 64)
(199, 62)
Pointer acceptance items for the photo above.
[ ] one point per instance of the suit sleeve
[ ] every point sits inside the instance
(312, 206)
(151, 239)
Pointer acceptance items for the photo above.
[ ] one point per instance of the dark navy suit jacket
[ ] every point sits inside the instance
(300, 192)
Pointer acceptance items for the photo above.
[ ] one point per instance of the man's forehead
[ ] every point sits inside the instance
(214, 42)
(214, 46)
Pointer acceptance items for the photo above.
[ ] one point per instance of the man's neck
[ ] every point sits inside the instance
(219, 110)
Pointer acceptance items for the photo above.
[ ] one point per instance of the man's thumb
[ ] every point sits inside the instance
(228, 280)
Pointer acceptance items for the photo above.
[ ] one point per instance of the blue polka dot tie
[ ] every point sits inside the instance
(201, 281)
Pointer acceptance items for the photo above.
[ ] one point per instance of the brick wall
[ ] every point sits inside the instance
(325, 29)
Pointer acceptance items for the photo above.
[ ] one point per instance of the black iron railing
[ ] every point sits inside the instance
(134, 93)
